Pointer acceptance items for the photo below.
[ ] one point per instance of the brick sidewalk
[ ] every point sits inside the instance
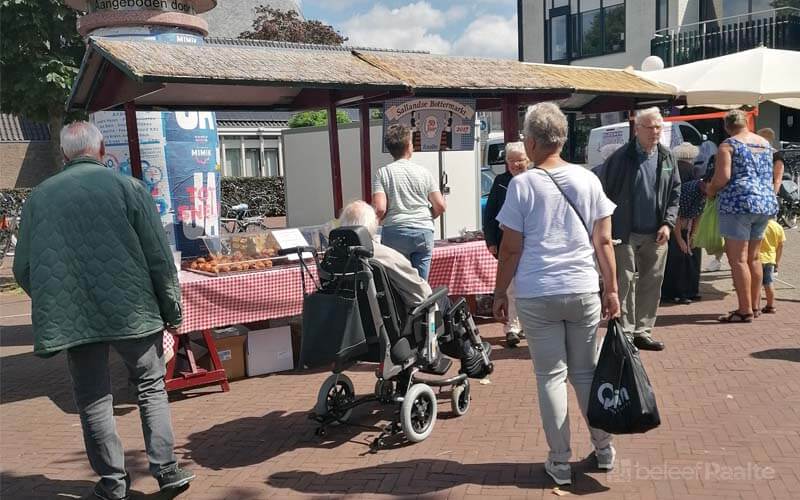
(729, 397)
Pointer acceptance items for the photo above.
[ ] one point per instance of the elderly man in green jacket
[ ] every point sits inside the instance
(93, 256)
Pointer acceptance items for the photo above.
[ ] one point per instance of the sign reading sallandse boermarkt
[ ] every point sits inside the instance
(182, 6)
(437, 124)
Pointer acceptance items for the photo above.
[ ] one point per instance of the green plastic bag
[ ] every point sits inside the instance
(707, 235)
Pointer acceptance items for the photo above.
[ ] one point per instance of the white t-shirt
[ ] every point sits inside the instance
(407, 187)
(557, 254)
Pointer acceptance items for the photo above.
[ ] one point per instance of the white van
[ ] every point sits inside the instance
(672, 135)
(494, 153)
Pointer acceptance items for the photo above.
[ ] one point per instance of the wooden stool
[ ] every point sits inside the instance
(196, 376)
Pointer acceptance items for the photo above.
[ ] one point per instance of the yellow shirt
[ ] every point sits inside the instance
(773, 237)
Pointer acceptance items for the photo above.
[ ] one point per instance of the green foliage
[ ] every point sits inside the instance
(40, 54)
(263, 194)
(287, 26)
(316, 119)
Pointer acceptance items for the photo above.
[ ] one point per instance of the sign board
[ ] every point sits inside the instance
(179, 167)
(291, 238)
(437, 124)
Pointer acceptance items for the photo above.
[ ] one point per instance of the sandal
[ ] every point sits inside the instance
(769, 310)
(735, 317)
(756, 312)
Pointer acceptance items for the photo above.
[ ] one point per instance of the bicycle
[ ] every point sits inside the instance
(9, 224)
(241, 219)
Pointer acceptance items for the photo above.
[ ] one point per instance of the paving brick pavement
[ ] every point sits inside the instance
(729, 397)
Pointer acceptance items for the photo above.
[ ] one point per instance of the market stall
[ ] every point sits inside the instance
(228, 74)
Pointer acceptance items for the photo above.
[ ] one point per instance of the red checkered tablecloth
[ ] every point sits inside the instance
(209, 302)
(464, 268)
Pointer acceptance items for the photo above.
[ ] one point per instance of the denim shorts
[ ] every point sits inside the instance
(769, 276)
(743, 227)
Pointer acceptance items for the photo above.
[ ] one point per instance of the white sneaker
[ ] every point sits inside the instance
(561, 472)
(606, 457)
(714, 265)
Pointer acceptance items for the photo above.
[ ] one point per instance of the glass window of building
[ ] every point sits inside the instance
(271, 162)
(662, 14)
(233, 161)
(252, 162)
(584, 28)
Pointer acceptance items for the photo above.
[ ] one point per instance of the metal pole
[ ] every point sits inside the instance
(133, 139)
(336, 167)
(366, 159)
(442, 188)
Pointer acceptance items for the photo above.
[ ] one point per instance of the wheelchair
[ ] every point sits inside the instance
(408, 344)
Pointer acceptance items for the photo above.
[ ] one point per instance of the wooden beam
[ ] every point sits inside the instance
(510, 118)
(366, 158)
(133, 139)
(336, 167)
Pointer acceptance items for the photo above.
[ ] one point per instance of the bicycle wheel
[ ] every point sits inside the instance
(255, 227)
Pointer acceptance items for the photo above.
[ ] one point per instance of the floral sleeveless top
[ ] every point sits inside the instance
(750, 189)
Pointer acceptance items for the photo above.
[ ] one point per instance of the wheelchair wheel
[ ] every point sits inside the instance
(460, 399)
(335, 392)
(384, 390)
(418, 412)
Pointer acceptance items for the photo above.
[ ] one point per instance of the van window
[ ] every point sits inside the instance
(496, 154)
(690, 135)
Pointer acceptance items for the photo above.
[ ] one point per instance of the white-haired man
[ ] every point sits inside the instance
(412, 288)
(642, 179)
(517, 162)
(95, 260)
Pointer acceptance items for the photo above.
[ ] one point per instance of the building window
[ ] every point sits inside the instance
(714, 9)
(583, 28)
(662, 14)
(233, 162)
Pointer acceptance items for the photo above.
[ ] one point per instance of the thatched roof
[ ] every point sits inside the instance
(233, 75)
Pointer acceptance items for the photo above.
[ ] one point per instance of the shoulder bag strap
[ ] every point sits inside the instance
(574, 208)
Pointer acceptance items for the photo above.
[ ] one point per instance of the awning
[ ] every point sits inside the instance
(263, 75)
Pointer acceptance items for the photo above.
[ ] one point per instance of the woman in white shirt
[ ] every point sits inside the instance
(556, 220)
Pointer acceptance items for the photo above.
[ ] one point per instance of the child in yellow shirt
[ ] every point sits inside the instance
(770, 256)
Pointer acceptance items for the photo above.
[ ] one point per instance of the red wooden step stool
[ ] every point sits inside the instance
(196, 376)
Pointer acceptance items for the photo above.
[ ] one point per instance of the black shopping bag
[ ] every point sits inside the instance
(332, 329)
(622, 400)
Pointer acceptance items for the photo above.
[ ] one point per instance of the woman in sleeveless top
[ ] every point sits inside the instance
(743, 182)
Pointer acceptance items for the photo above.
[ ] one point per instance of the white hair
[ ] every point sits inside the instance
(81, 139)
(359, 213)
(546, 125)
(514, 147)
(653, 114)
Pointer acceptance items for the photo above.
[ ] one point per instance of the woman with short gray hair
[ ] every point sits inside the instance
(556, 219)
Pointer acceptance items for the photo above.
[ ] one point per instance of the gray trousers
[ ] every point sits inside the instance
(639, 294)
(562, 339)
(91, 382)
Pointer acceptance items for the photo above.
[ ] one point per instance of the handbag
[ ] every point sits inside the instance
(332, 327)
(707, 235)
(621, 400)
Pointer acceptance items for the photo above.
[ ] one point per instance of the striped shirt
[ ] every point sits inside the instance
(406, 186)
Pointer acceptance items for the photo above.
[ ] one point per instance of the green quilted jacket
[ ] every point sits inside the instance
(94, 258)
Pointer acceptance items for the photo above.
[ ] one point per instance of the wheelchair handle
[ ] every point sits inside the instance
(298, 250)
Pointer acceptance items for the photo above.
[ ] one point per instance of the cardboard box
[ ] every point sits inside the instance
(231, 351)
(269, 351)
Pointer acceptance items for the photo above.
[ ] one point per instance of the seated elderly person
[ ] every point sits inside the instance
(466, 343)
(403, 276)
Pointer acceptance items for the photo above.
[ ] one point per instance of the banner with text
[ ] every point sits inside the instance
(437, 124)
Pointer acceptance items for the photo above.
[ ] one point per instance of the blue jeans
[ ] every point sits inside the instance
(415, 243)
(743, 227)
(91, 382)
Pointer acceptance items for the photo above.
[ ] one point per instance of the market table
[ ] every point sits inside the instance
(208, 302)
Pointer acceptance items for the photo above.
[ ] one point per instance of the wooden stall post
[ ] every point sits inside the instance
(336, 167)
(366, 159)
(133, 139)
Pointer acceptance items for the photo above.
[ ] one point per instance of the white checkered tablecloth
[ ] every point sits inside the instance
(464, 268)
(211, 302)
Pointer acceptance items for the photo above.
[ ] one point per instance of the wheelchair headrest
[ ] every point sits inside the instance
(351, 236)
